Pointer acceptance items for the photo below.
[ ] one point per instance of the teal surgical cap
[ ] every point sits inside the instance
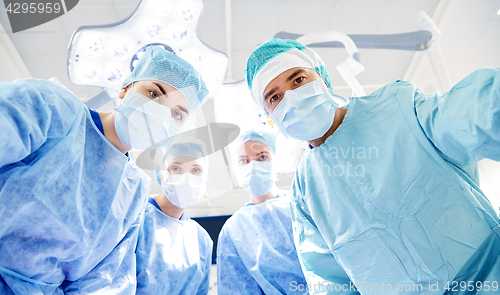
(268, 137)
(276, 56)
(161, 65)
(190, 148)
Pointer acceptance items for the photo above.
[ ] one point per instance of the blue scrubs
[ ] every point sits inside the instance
(70, 202)
(173, 256)
(391, 200)
(97, 120)
(256, 253)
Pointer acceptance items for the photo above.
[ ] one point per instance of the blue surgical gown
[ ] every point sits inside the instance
(70, 202)
(173, 256)
(256, 253)
(392, 197)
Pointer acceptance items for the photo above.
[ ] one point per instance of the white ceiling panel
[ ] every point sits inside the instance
(212, 25)
(359, 17)
(248, 30)
(293, 14)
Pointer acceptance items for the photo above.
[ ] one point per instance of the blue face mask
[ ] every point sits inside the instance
(305, 113)
(256, 177)
(141, 123)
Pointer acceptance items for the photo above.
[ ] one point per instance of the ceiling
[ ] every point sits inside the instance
(470, 40)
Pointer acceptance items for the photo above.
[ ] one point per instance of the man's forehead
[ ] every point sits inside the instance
(286, 77)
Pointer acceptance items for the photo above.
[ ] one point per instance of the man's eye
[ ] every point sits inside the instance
(299, 80)
(196, 171)
(273, 98)
(263, 157)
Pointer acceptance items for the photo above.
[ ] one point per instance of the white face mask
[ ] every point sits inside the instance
(183, 190)
(141, 123)
(256, 177)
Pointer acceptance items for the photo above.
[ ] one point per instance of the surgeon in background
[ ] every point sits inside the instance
(174, 253)
(71, 199)
(255, 250)
(388, 195)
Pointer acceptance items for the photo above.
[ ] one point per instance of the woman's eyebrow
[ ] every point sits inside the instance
(161, 88)
(183, 109)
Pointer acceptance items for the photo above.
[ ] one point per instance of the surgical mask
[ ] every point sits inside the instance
(256, 177)
(141, 123)
(305, 113)
(183, 190)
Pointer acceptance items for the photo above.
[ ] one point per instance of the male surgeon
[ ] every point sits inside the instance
(387, 198)
(255, 252)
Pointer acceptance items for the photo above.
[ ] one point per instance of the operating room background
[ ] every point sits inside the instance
(470, 40)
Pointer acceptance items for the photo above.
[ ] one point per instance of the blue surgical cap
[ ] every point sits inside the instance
(276, 56)
(161, 65)
(182, 149)
(268, 137)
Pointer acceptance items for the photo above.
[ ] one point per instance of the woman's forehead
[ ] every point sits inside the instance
(185, 161)
(252, 148)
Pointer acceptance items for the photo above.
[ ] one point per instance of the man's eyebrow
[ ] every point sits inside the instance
(291, 77)
(183, 109)
(270, 92)
(295, 74)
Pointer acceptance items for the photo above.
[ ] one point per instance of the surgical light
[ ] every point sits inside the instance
(115, 72)
(151, 29)
(160, 7)
(104, 55)
(177, 34)
(187, 11)
(93, 45)
(89, 71)
(120, 47)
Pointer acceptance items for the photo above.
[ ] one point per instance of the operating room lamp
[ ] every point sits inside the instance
(104, 55)
(350, 67)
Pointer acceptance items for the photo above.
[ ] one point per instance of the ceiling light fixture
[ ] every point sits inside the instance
(104, 55)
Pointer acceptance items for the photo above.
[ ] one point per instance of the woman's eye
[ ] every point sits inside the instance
(263, 158)
(153, 94)
(196, 171)
(299, 80)
(177, 115)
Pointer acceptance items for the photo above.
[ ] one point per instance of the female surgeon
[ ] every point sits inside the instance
(70, 196)
(255, 250)
(387, 197)
(174, 252)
